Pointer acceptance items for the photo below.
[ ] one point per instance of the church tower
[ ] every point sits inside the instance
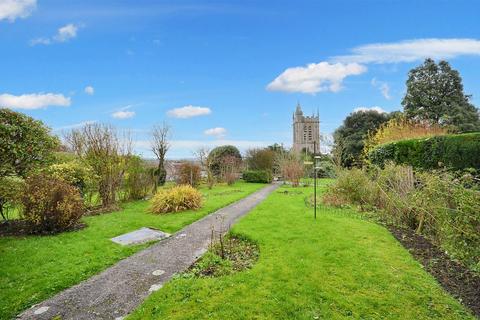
(306, 130)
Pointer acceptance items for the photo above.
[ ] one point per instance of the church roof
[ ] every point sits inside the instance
(299, 112)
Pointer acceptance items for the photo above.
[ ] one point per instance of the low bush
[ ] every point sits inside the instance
(188, 173)
(138, 179)
(457, 152)
(11, 191)
(50, 204)
(260, 176)
(434, 204)
(178, 198)
(351, 187)
(75, 173)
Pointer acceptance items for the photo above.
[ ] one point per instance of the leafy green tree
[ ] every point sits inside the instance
(435, 94)
(349, 137)
(260, 159)
(25, 144)
(218, 156)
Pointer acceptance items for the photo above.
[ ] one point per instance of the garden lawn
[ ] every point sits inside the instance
(339, 266)
(34, 268)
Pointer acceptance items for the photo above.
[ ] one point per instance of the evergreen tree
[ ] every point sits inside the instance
(435, 94)
(349, 137)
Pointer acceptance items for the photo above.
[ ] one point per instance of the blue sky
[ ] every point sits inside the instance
(223, 71)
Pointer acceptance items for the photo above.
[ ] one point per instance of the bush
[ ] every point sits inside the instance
(434, 204)
(400, 128)
(50, 204)
(75, 173)
(455, 152)
(260, 159)
(216, 158)
(11, 190)
(178, 198)
(188, 173)
(138, 180)
(351, 187)
(25, 144)
(260, 176)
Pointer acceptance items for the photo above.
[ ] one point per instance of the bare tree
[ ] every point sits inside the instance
(202, 155)
(160, 146)
(107, 152)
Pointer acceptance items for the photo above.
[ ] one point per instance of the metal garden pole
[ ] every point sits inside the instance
(315, 179)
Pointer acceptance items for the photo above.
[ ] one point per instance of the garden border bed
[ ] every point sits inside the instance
(455, 278)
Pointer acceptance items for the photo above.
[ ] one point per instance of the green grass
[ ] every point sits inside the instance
(34, 268)
(337, 267)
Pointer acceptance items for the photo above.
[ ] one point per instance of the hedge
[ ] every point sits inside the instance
(261, 176)
(457, 152)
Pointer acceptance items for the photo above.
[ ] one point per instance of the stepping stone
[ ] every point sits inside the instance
(140, 236)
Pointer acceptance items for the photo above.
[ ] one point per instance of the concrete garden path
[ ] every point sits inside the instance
(117, 291)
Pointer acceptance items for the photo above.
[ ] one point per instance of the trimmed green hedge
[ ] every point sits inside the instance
(458, 152)
(261, 176)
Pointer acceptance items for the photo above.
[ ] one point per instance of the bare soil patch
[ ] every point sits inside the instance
(457, 279)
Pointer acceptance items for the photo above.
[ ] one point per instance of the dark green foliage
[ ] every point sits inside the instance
(217, 156)
(25, 143)
(260, 176)
(435, 94)
(260, 159)
(349, 137)
(50, 204)
(456, 152)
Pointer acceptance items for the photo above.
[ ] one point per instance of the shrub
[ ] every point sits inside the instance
(401, 128)
(291, 167)
(50, 204)
(260, 159)
(25, 144)
(351, 187)
(188, 173)
(434, 204)
(176, 199)
(455, 152)
(11, 190)
(260, 176)
(229, 169)
(75, 173)
(448, 213)
(217, 157)
(138, 179)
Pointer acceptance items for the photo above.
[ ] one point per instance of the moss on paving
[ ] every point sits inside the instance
(34, 268)
(339, 266)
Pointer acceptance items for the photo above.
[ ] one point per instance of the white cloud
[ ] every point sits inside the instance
(75, 125)
(216, 132)
(411, 50)
(33, 100)
(383, 87)
(363, 109)
(13, 9)
(315, 77)
(123, 114)
(189, 112)
(64, 34)
(89, 90)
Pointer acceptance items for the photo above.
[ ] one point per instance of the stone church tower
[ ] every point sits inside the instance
(306, 130)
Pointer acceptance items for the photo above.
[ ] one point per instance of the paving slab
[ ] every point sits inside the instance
(118, 290)
(141, 235)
